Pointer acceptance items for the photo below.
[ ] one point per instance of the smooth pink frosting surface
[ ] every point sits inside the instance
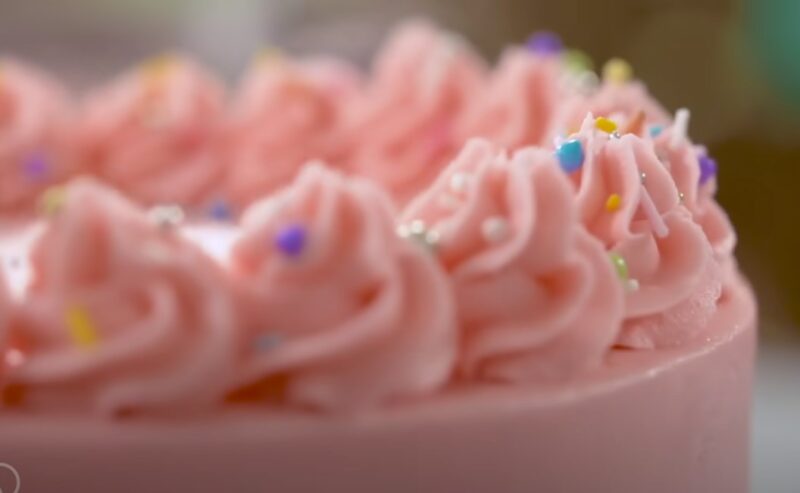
(285, 114)
(34, 134)
(360, 315)
(541, 300)
(404, 126)
(151, 132)
(121, 314)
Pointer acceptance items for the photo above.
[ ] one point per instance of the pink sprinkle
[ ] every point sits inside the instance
(656, 221)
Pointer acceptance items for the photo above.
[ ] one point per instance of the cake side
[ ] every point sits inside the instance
(666, 420)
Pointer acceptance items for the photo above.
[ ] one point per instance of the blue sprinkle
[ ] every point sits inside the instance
(267, 341)
(570, 155)
(708, 169)
(36, 166)
(291, 240)
(656, 130)
(219, 210)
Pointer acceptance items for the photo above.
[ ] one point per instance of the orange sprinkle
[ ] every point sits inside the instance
(613, 202)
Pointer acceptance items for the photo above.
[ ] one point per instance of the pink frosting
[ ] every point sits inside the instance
(5, 316)
(151, 132)
(34, 123)
(620, 102)
(403, 128)
(540, 301)
(520, 106)
(359, 317)
(667, 254)
(122, 315)
(286, 113)
(681, 159)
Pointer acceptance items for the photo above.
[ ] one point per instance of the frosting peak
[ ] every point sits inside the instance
(152, 132)
(360, 315)
(121, 315)
(537, 295)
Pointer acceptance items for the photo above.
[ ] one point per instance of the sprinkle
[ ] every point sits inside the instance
(268, 341)
(495, 229)
(158, 68)
(617, 71)
(586, 82)
(80, 326)
(578, 61)
(680, 127)
(166, 217)
(708, 169)
(620, 265)
(545, 43)
(632, 285)
(35, 166)
(458, 182)
(656, 221)
(681, 197)
(219, 210)
(291, 240)
(606, 125)
(418, 232)
(570, 155)
(643, 177)
(52, 200)
(613, 202)
(656, 130)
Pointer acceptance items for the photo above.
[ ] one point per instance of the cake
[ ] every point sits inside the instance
(436, 277)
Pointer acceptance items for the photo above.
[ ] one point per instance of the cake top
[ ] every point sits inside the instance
(336, 241)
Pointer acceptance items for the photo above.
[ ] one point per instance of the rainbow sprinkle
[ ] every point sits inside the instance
(617, 71)
(570, 155)
(291, 240)
(606, 125)
(620, 265)
(52, 201)
(81, 327)
(613, 203)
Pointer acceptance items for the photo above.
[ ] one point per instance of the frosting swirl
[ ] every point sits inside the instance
(285, 114)
(34, 122)
(352, 314)
(662, 251)
(403, 126)
(121, 315)
(537, 295)
(521, 103)
(152, 132)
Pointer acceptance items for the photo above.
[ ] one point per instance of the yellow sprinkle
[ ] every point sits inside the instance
(158, 68)
(52, 200)
(268, 56)
(617, 71)
(578, 61)
(613, 202)
(606, 125)
(80, 326)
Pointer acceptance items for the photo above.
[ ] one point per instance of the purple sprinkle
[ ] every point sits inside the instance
(545, 43)
(36, 166)
(291, 240)
(708, 169)
(219, 210)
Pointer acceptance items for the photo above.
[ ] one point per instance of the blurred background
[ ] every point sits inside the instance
(735, 63)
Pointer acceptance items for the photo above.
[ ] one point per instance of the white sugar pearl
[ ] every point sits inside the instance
(495, 229)
(166, 216)
(458, 182)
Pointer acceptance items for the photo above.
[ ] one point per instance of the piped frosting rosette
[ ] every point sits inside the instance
(403, 129)
(521, 103)
(628, 200)
(152, 132)
(34, 141)
(537, 296)
(122, 314)
(349, 314)
(695, 175)
(286, 113)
